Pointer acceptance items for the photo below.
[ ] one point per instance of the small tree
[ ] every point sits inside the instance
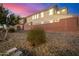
(36, 36)
(7, 19)
(13, 19)
(3, 17)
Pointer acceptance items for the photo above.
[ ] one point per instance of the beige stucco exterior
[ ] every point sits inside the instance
(55, 16)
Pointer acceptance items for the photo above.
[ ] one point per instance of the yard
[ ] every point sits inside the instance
(57, 44)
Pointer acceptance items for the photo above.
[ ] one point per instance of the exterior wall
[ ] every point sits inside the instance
(47, 18)
(65, 25)
(57, 22)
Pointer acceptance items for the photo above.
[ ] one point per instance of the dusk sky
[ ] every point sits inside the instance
(26, 9)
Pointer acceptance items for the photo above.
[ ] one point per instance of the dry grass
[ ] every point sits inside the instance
(57, 44)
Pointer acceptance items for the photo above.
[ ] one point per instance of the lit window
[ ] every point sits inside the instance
(51, 21)
(50, 11)
(58, 12)
(37, 15)
(63, 10)
(42, 22)
(42, 14)
(32, 17)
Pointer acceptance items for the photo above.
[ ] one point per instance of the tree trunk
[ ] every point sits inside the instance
(5, 35)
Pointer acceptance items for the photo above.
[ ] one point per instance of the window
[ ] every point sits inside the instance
(63, 10)
(58, 12)
(32, 17)
(42, 22)
(51, 21)
(37, 16)
(42, 14)
(51, 11)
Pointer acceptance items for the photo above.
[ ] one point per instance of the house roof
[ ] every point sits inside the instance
(46, 10)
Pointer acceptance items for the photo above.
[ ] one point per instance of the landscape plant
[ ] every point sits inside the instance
(36, 36)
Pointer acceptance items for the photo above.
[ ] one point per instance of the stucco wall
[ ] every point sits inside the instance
(48, 17)
(65, 25)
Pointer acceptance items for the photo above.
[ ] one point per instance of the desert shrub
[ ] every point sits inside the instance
(11, 30)
(36, 36)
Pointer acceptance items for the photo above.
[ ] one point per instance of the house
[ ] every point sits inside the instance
(53, 19)
(50, 15)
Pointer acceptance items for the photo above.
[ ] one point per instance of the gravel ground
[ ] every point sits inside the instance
(57, 44)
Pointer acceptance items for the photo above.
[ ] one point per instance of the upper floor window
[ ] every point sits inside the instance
(37, 16)
(63, 10)
(42, 14)
(33, 17)
(51, 11)
(58, 12)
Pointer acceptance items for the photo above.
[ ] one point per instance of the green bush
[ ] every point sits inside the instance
(36, 36)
